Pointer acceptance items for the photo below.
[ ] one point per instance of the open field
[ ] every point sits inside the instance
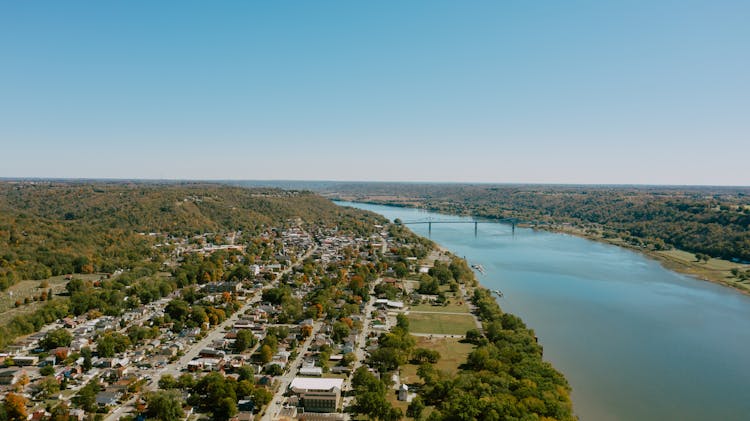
(29, 289)
(440, 324)
(716, 270)
(454, 306)
(452, 354)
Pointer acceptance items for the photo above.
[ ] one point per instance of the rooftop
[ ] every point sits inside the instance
(316, 383)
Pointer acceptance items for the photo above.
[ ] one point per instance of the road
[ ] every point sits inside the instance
(359, 350)
(284, 380)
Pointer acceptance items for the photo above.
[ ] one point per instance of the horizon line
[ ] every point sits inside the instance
(488, 183)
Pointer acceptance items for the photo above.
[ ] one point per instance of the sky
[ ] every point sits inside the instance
(592, 92)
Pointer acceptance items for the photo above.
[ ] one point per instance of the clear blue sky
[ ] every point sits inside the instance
(649, 92)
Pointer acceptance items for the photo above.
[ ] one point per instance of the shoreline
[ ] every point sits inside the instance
(715, 270)
(668, 260)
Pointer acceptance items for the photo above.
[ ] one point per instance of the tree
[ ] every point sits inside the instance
(473, 336)
(274, 370)
(245, 373)
(15, 407)
(167, 381)
(177, 310)
(47, 387)
(164, 405)
(266, 354)
(415, 408)
(402, 321)
(422, 355)
(112, 343)
(348, 359)
(185, 381)
(340, 331)
(86, 397)
(261, 396)
(400, 269)
(225, 409)
(86, 354)
(56, 338)
(245, 339)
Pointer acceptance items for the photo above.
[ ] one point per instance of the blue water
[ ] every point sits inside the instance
(635, 340)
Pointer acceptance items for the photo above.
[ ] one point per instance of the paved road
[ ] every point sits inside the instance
(359, 350)
(284, 380)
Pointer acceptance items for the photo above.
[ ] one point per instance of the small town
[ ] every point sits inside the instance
(285, 325)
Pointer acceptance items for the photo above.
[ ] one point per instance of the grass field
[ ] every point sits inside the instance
(717, 270)
(28, 289)
(440, 324)
(452, 354)
(454, 306)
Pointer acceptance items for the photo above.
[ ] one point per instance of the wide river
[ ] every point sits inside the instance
(635, 341)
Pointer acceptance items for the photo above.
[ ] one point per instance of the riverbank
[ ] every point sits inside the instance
(600, 309)
(718, 271)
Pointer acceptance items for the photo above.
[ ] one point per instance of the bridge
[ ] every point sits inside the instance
(429, 222)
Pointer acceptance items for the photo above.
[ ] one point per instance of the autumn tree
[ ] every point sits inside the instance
(15, 407)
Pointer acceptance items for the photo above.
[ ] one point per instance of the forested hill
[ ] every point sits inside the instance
(710, 220)
(53, 228)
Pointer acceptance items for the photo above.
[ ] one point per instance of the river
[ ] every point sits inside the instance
(635, 340)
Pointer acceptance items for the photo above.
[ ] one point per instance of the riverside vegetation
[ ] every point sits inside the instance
(707, 222)
(56, 228)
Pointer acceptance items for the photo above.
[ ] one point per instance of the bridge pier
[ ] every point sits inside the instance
(475, 228)
(429, 228)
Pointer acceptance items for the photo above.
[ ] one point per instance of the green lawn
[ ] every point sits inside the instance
(454, 306)
(452, 354)
(441, 324)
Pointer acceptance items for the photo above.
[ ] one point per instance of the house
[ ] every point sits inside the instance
(403, 393)
(107, 398)
(26, 360)
(211, 353)
(317, 394)
(311, 370)
(217, 287)
(245, 405)
(244, 324)
(11, 376)
(205, 364)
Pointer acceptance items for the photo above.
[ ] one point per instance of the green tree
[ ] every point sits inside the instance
(87, 355)
(47, 387)
(86, 397)
(167, 381)
(245, 339)
(164, 405)
(56, 338)
(340, 331)
(416, 407)
(225, 409)
(266, 354)
(402, 321)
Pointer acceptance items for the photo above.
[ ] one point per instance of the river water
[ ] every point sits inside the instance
(635, 340)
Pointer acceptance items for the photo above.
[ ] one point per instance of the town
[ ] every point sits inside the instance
(281, 325)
